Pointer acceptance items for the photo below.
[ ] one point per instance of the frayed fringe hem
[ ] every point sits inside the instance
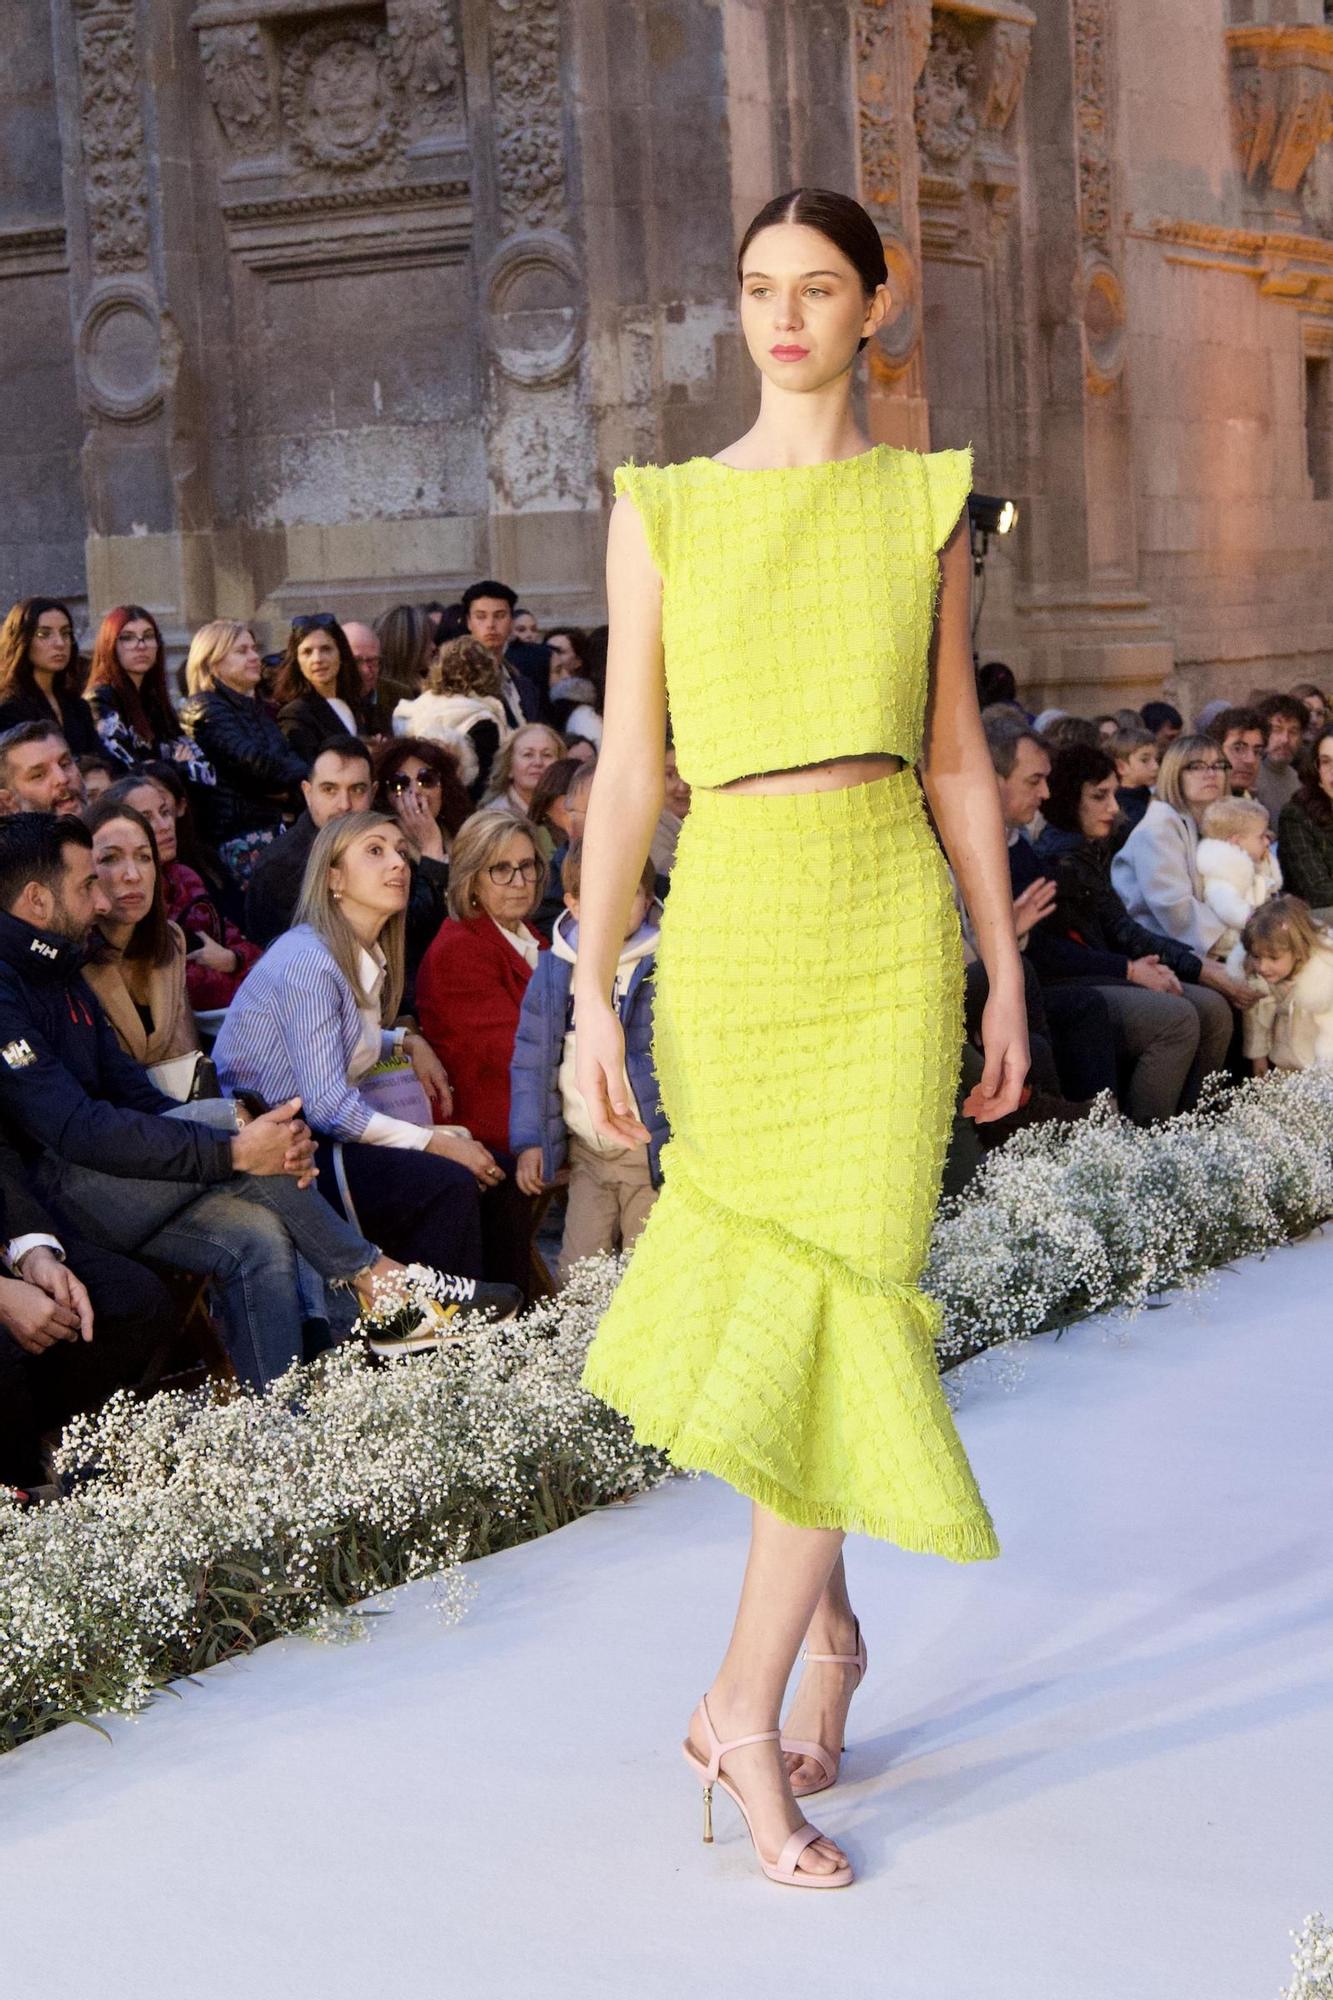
(974, 1541)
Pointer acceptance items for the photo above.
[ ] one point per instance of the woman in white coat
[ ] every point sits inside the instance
(1156, 873)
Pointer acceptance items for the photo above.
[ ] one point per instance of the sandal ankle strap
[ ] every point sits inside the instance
(717, 1750)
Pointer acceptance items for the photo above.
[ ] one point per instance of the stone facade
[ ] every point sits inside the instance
(336, 302)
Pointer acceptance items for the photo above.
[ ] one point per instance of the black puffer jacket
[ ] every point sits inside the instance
(257, 771)
(1090, 913)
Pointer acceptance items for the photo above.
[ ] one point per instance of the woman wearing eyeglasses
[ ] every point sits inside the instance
(416, 781)
(317, 686)
(469, 995)
(130, 701)
(41, 672)
(1156, 873)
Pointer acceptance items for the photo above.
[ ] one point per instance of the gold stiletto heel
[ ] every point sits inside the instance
(709, 1773)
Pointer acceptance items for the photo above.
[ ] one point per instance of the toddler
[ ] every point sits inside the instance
(1238, 870)
(1290, 959)
(1135, 753)
(611, 1188)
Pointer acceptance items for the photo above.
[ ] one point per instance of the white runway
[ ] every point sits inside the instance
(1098, 1769)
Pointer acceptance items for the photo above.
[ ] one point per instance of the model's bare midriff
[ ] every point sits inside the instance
(829, 776)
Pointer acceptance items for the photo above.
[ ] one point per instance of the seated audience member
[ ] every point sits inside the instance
(418, 783)
(523, 670)
(137, 963)
(1290, 960)
(470, 989)
(1284, 718)
(675, 805)
(314, 1019)
(38, 772)
(1107, 729)
(98, 774)
(549, 814)
(461, 709)
(612, 1187)
(575, 699)
(525, 628)
(41, 675)
(1129, 718)
(76, 1323)
(1207, 716)
(407, 647)
(217, 955)
(1305, 829)
(1069, 1027)
(1070, 729)
(996, 686)
(104, 1149)
(519, 764)
(372, 713)
(130, 702)
(1156, 872)
(257, 770)
(1165, 1000)
(317, 687)
(1136, 767)
(1237, 868)
(1315, 703)
(1240, 734)
(339, 783)
(1165, 722)
(434, 613)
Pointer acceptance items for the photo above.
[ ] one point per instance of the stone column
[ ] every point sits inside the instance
(1084, 627)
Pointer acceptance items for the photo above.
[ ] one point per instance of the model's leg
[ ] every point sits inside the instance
(785, 1578)
(819, 1712)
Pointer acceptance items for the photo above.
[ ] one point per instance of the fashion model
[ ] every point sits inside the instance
(801, 601)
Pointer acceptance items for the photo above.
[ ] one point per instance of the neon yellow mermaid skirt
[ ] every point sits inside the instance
(807, 1029)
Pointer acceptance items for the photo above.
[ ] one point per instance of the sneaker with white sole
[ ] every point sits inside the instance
(446, 1308)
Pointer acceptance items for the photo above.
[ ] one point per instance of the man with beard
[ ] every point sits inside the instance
(38, 772)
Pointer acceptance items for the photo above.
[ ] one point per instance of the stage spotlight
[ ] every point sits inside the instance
(991, 515)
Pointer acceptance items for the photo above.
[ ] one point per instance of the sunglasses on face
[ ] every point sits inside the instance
(427, 781)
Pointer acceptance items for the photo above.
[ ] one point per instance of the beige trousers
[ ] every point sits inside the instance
(610, 1195)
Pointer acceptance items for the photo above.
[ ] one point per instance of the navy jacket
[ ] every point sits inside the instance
(1089, 918)
(536, 1116)
(68, 1087)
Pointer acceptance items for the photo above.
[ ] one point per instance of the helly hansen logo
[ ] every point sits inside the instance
(43, 949)
(18, 1055)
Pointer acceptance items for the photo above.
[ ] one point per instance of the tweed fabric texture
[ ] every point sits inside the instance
(808, 1022)
(797, 603)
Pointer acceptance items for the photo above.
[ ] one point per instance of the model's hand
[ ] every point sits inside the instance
(599, 1072)
(1037, 901)
(429, 1072)
(528, 1172)
(1004, 1042)
(41, 1267)
(34, 1320)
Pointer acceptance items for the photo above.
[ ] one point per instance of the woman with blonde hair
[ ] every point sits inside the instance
(469, 996)
(257, 771)
(316, 1017)
(519, 764)
(460, 708)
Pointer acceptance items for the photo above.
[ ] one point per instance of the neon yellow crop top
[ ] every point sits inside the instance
(797, 603)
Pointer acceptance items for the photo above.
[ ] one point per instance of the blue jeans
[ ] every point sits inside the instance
(246, 1233)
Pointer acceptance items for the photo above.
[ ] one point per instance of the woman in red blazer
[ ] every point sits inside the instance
(469, 994)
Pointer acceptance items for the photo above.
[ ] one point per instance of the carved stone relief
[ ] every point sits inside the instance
(236, 73)
(424, 49)
(1281, 101)
(119, 349)
(529, 140)
(965, 100)
(876, 58)
(1090, 113)
(946, 122)
(890, 38)
(115, 176)
(340, 109)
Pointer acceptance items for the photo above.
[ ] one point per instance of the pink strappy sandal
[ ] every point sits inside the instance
(784, 1869)
(826, 1758)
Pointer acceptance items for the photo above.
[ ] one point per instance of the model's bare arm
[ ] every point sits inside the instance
(960, 783)
(624, 806)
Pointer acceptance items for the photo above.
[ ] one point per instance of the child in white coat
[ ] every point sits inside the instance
(1290, 959)
(1238, 870)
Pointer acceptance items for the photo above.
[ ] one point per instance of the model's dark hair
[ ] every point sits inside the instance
(32, 849)
(1311, 794)
(16, 669)
(845, 223)
(290, 683)
(1073, 766)
(151, 937)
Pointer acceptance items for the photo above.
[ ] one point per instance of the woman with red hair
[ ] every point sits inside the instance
(127, 693)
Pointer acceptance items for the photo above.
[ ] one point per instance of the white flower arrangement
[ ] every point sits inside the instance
(201, 1524)
(1312, 1960)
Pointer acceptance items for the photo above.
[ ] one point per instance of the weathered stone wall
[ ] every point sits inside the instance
(339, 301)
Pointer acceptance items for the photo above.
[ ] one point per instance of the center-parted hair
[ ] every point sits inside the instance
(846, 224)
(318, 906)
(151, 937)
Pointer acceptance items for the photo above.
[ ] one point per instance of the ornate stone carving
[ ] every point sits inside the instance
(881, 161)
(1103, 323)
(115, 177)
(1281, 100)
(1095, 178)
(236, 75)
(424, 49)
(534, 293)
(529, 141)
(120, 355)
(339, 105)
(1008, 47)
(946, 123)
